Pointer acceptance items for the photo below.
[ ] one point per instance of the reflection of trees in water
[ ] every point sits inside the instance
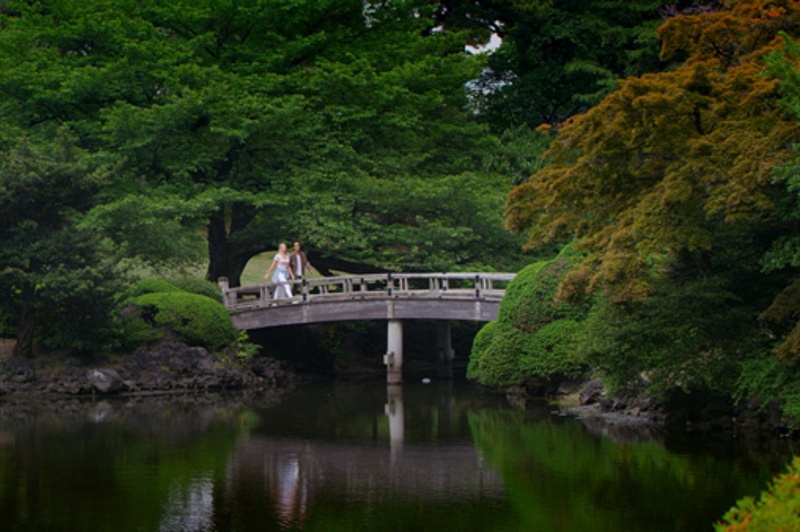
(567, 474)
(362, 456)
(296, 473)
(79, 465)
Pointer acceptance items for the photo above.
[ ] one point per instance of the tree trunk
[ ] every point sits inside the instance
(26, 325)
(227, 257)
(218, 250)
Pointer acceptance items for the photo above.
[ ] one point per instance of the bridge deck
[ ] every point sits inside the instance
(442, 296)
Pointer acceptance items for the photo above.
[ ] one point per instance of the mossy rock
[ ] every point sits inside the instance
(193, 318)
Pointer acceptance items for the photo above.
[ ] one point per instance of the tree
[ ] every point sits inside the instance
(558, 59)
(269, 121)
(53, 274)
(782, 258)
(645, 179)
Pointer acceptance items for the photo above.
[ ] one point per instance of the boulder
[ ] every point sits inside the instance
(592, 392)
(105, 380)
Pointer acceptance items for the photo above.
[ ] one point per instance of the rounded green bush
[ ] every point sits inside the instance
(552, 350)
(534, 335)
(193, 318)
(498, 364)
(517, 291)
(483, 339)
(196, 285)
(151, 286)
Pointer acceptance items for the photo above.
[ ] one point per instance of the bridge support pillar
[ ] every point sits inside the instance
(444, 350)
(394, 352)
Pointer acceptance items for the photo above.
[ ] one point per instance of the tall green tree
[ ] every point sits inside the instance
(560, 58)
(54, 275)
(341, 125)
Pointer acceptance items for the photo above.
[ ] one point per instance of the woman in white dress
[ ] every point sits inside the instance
(280, 264)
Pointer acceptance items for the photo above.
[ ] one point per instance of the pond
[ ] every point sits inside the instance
(359, 457)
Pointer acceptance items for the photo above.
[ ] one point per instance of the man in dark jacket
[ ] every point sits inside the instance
(298, 262)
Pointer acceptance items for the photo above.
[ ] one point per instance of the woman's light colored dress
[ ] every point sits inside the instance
(281, 275)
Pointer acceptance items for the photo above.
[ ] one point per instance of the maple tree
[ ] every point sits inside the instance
(651, 172)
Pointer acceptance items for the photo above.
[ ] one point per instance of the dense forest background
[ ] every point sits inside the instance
(637, 159)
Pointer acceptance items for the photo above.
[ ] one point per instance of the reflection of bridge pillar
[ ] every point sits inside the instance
(394, 411)
(444, 350)
(394, 352)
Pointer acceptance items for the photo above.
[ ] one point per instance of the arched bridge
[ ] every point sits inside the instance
(393, 297)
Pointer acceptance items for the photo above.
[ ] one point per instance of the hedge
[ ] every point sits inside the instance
(193, 318)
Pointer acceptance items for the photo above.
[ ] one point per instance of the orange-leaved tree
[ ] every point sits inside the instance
(653, 170)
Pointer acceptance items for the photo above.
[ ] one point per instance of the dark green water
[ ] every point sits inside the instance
(359, 457)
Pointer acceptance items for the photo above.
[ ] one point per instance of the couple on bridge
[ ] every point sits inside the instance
(287, 266)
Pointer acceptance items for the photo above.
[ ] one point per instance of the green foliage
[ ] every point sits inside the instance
(781, 316)
(656, 168)
(151, 286)
(682, 188)
(57, 281)
(553, 350)
(196, 285)
(777, 508)
(534, 334)
(229, 116)
(560, 58)
(243, 349)
(766, 378)
(160, 232)
(687, 334)
(494, 360)
(517, 289)
(195, 319)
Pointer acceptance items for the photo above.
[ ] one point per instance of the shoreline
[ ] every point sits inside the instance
(165, 368)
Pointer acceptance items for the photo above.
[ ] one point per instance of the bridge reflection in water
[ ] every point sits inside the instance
(297, 473)
(393, 297)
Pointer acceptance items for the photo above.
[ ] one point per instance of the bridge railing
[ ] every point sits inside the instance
(442, 285)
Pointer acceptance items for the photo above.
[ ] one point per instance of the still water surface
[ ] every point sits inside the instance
(359, 457)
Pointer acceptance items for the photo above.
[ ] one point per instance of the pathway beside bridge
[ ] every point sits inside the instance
(392, 297)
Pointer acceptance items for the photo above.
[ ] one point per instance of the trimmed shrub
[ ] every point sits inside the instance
(498, 364)
(534, 335)
(483, 339)
(553, 350)
(777, 508)
(151, 286)
(517, 291)
(193, 318)
(196, 285)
